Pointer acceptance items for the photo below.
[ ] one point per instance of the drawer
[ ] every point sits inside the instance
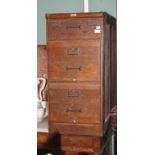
(76, 141)
(77, 129)
(75, 103)
(74, 29)
(74, 60)
(74, 50)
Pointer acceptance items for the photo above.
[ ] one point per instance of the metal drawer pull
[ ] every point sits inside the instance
(72, 110)
(73, 27)
(73, 93)
(73, 68)
(73, 51)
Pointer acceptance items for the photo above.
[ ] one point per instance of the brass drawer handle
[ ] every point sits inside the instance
(72, 110)
(73, 51)
(73, 93)
(73, 68)
(73, 27)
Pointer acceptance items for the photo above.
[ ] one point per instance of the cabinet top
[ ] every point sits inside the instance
(75, 15)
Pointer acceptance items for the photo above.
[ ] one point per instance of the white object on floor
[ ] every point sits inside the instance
(42, 126)
(42, 106)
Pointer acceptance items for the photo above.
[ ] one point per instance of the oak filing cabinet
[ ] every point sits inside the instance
(81, 78)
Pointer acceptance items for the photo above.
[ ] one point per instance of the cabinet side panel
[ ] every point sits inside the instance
(113, 67)
(106, 66)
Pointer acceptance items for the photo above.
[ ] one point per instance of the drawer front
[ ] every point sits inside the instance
(73, 72)
(74, 29)
(76, 141)
(74, 60)
(74, 103)
(77, 129)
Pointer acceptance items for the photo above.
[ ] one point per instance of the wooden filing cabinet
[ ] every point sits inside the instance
(81, 78)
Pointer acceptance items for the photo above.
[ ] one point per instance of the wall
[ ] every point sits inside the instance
(62, 6)
(108, 6)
